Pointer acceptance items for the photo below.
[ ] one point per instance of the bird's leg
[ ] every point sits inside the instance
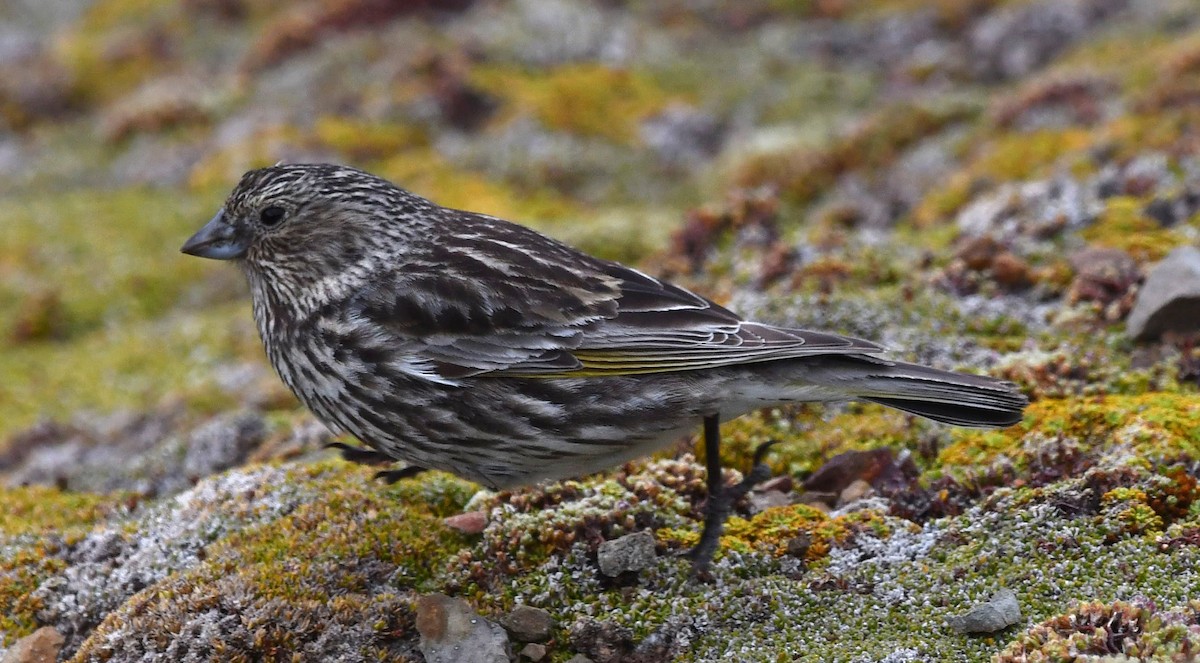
(721, 498)
(371, 457)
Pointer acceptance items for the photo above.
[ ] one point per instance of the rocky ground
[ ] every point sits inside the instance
(1004, 186)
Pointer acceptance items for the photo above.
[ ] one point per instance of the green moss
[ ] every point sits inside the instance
(142, 365)
(129, 311)
(344, 559)
(35, 524)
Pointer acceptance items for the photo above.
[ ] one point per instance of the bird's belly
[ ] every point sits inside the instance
(505, 431)
(500, 432)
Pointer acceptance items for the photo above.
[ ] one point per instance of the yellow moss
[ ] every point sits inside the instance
(1122, 494)
(942, 203)
(361, 139)
(587, 98)
(867, 427)
(1136, 59)
(289, 558)
(772, 529)
(1151, 425)
(1140, 519)
(39, 509)
(1024, 155)
(425, 172)
(807, 440)
(117, 44)
(20, 574)
(109, 14)
(1007, 157)
(1123, 225)
(1135, 135)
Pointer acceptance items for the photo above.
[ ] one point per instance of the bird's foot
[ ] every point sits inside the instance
(372, 457)
(392, 476)
(360, 455)
(720, 505)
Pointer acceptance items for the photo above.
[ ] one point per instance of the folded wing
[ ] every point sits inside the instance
(498, 299)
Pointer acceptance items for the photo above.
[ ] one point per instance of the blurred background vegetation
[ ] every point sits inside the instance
(641, 131)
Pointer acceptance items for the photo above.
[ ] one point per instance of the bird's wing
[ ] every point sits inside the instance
(503, 300)
(661, 327)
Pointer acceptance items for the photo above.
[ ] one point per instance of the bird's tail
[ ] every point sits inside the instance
(960, 399)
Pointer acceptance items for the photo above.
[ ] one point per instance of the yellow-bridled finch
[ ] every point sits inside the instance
(462, 342)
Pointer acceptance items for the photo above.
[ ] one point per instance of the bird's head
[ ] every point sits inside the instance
(317, 218)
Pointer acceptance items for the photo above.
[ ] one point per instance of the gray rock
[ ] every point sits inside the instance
(1169, 301)
(528, 624)
(451, 632)
(1011, 42)
(998, 612)
(682, 135)
(632, 552)
(223, 443)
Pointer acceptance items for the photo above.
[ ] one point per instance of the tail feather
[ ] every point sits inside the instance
(953, 398)
(953, 413)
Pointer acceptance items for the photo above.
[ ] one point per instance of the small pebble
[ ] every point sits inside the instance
(534, 652)
(798, 545)
(998, 612)
(471, 522)
(857, 490)
(41, 646)
(528, 624)
(632, 552)
(760, 502)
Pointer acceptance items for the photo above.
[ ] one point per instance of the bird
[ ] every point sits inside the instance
(453, 340)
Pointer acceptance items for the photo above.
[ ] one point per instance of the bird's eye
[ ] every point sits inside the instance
(271, 216)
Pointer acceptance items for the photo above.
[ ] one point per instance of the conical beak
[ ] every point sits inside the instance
(217, 240)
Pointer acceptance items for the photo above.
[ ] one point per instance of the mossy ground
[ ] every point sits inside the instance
(1089, 509)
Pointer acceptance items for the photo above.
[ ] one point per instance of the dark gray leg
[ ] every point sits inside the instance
(721, 498)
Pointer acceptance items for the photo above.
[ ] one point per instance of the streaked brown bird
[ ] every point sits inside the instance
(462, 342)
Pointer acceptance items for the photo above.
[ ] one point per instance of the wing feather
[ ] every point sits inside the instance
(564, 314)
